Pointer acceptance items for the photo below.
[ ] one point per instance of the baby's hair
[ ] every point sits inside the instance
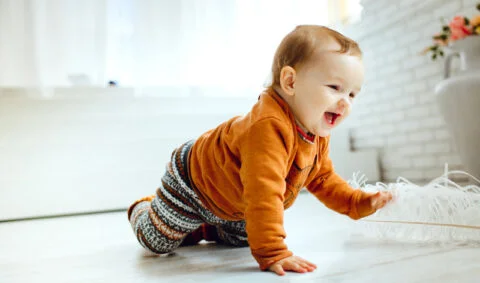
(299, 45)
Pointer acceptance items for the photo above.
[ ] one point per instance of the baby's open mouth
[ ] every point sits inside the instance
(331, 117)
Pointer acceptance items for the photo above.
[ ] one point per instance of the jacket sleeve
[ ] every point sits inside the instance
(336, 193)
(264, 160)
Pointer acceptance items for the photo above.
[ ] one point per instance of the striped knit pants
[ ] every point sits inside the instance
(162, 221)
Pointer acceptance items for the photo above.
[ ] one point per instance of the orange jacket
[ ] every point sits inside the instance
(252, 167)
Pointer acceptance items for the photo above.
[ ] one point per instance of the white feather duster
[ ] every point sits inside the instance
(441, 212)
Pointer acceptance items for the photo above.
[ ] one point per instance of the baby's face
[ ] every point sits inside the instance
(325, 89)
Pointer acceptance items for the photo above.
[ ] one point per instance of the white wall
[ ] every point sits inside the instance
(88, 149)
(396, 112)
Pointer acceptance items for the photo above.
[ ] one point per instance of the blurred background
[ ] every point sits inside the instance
(94, 94)
(149, 42)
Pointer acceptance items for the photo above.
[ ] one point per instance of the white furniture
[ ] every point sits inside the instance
(89, 149)
(347, 162)
(458, 98)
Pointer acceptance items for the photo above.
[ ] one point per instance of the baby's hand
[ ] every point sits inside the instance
(380, 199)
(292, 263)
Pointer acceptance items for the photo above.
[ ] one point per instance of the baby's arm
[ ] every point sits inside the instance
(264, 157)
(338, 195)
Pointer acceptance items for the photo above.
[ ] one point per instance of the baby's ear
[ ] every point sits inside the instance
(288, 76)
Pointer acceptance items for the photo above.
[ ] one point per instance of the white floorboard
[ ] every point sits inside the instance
(102, 248)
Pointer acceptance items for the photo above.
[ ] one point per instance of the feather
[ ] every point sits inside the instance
(439, 212)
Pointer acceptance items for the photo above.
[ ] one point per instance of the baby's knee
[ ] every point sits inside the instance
(138, 206)
(156, 245)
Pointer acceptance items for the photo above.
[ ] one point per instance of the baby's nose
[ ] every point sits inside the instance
(343, 103)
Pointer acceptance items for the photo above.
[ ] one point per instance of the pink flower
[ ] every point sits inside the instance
(457, 22)
(458, 28)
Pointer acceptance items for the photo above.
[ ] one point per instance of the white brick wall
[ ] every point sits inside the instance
(397, 112)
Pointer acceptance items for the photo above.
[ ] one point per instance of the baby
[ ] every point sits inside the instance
(233, 184)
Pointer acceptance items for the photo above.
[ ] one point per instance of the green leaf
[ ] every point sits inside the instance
(434, 56)
(478, 6)
(446, 28)
(441, 53)
(440, 36)
(467, 21)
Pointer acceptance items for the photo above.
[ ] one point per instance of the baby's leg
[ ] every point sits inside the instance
(233, 233)
(161, 222)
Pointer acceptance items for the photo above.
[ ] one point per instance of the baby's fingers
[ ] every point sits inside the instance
(380, 199)
(278, 269)
(306, 264)
(292, 263)
(294, 266)
(387, 195)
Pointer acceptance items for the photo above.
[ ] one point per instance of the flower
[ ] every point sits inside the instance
(457, 34)
(458, 28)
(475, 21)
(458, 22)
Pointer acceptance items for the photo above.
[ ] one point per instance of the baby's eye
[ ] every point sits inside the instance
(335, 87)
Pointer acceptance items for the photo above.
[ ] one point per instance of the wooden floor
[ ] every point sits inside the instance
(101, 248)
